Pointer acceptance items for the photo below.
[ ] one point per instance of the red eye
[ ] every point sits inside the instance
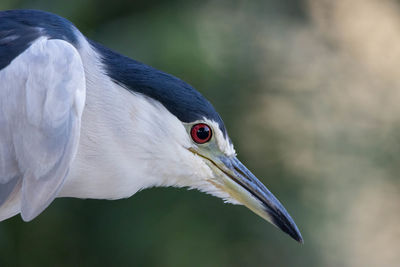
(201, 133)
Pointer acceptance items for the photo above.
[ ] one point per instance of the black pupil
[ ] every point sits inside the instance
(203, 133)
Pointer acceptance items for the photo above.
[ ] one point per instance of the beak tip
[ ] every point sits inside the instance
(298, 238)
(268, 206)
(294, 233)
(284, 222)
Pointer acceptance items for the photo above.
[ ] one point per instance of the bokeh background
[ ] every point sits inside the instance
(310, 93)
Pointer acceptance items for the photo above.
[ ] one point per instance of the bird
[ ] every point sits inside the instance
(80, 120)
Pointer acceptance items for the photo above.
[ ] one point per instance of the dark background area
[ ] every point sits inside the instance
(309, 92)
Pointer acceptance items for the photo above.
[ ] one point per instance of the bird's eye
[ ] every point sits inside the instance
(201, 133)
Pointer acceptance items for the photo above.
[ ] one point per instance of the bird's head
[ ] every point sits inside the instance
(183, 141)
(214, 168)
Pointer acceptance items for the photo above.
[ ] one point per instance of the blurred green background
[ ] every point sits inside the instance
(309, 92)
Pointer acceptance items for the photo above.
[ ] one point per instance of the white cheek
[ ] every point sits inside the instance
(185, 170)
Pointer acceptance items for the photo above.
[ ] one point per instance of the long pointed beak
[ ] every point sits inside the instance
(243, 186)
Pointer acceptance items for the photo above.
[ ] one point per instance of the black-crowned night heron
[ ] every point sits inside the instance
(79, 120)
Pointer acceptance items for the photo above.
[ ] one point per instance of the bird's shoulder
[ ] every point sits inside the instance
(20, 28)
(42, 96)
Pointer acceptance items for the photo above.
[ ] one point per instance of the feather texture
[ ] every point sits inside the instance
(42, 96)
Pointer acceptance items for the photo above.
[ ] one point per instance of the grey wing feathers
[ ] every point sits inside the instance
(42, 95)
